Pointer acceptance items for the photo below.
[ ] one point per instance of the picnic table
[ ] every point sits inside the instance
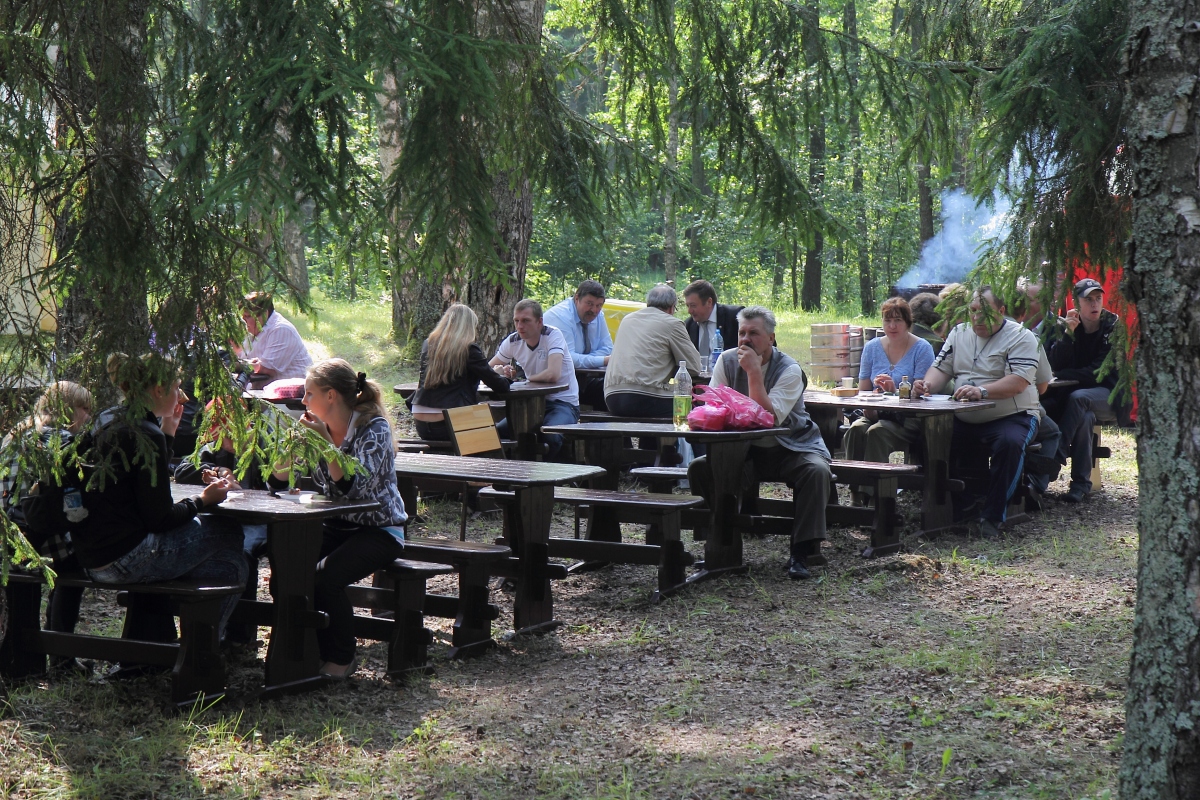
(937, 414)
(290, 403)
(533, 483)
(524, 407)
(726, 451)
(294, 532)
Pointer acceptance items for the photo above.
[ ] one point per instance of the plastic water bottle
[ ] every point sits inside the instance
(683, 398)
(718, 344)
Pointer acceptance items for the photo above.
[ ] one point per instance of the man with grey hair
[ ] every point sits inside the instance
(799, 458)
(650, 344)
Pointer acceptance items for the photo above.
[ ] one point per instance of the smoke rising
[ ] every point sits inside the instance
(966, 226)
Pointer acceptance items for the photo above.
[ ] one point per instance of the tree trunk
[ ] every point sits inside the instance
(810, 296)
(1162, 708)
(293, 242)
(924, 201)
(670, 230)
(109, 243)
(866, 288)
(490, 295)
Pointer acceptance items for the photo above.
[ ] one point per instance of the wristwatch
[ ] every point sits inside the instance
(983, 393)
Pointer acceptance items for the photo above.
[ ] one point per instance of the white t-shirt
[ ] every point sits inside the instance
(534, 360)
(970, 359)
(279, 347)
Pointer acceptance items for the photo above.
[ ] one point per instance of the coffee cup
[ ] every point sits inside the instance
(847, 383)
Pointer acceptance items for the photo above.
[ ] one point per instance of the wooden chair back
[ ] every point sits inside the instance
(473, 431)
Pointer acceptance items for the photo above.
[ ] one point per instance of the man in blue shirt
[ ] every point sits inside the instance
(581, 320)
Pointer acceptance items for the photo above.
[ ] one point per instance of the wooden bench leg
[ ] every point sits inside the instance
(672, 564)
(17, 658)
(199, 668)
(473, 626)
(884, 537)
(408, 649)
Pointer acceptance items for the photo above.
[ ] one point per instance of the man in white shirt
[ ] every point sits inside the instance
(799, 458)
(994, 359)
(273, 347)
(581, 320)
(542, 353)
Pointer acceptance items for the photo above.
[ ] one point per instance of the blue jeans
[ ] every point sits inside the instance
(558, 412)
(1084, 408)
(1004, 440)
(254, 545)
(206, 548)
(1048, 436)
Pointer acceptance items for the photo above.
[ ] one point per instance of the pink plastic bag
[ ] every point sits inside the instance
(741, 413)
(708, 418)
(284, 389)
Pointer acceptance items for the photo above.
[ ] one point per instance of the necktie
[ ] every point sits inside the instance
(587, 346)
(705, 340)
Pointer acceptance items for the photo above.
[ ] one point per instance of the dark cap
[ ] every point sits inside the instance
(1086, 286)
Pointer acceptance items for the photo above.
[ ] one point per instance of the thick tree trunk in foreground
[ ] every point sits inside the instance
(1162, 748)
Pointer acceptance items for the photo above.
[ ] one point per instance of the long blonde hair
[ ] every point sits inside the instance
(448, 345)
(58, 406)
(135, 377)
(359, 393)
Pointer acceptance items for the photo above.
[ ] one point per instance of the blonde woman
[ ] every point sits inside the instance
(452, 365)
(345, 409)
(62, 411)
(134, 532)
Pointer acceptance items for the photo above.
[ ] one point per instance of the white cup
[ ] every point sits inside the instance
(847, 383)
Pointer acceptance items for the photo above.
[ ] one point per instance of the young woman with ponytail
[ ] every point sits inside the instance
(344, 408)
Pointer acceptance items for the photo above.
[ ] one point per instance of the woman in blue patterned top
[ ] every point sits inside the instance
(345, 408)
(885, 361)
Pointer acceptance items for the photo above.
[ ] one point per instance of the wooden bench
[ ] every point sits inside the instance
(662, 513)
(198, 670)
(474, 562)
(400, 603)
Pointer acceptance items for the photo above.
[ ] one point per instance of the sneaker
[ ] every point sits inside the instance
(1033, 500)
(1076, 495)
(797, 571)
(988, 529)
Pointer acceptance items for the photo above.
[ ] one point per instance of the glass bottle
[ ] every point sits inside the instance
(683, 398)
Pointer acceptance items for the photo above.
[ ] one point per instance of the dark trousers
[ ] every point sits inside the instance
(347, 556)
(808, 475)
(432, 431)
(62, 607)
(1003, 442)
(630, 404)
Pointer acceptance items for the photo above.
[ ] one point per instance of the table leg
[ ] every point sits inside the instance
(723, 547)
(937, 512)
(294, 547)
(525, 415)
(533, 605)
(605, 452)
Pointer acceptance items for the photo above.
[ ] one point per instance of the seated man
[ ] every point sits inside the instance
(542, 353)
(650, 344)
(581, 321)
(799, 458)
(1042, 467)
(707, 316)
(992, 359)
(1078, 355)
(274, 347)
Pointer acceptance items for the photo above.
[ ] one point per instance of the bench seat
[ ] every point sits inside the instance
(198, 670)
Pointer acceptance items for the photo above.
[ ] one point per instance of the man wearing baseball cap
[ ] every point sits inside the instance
(1077, 355)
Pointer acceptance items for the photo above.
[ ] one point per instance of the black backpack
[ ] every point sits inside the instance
(53, 507)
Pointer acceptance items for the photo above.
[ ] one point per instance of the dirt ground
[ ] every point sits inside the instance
(960, 668)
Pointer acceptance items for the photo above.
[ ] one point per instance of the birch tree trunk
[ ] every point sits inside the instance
(1162, 707)
(866, 286)
(670, 227)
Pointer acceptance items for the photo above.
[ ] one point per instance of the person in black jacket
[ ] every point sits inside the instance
(134, 532)
(452, 365)
(1078, 355)
(707, 316)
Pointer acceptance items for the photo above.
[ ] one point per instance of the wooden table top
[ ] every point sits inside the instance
(492, 470)
(604, 429)
(520, 389)
(263, 505)
(1059, 383)
(940, 404)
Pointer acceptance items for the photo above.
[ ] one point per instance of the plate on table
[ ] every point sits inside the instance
(871, 396)
(940, 398)
(304, 498)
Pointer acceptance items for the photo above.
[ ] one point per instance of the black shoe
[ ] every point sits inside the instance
(797, 571)
(1076, 495)
(988, 529)
(66, 667)
(1033, 500)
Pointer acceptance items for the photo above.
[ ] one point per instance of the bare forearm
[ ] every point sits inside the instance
(1006, 387)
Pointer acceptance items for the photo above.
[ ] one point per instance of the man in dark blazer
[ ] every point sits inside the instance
(703, 308)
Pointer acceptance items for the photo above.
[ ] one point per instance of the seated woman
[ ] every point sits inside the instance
(452, 365)
(885, 362)
(61, 412)
(134, 532)
(345, 409)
